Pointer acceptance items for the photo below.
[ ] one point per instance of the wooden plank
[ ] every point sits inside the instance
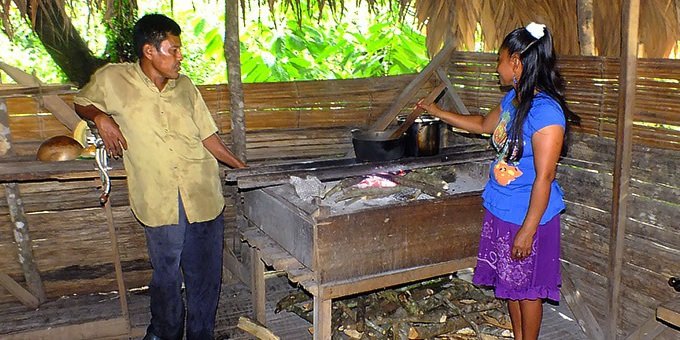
(649, 330)
(670, 312)
(622, 163)
(23, 242)
(18, 291)
(111, 328)
(259, 331)
(387, 279)
(257, 286)
(322, 318)
(579, 308)
(36, 170)
(407, 94)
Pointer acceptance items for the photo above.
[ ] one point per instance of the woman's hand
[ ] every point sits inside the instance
(431, 108)
(521, 247)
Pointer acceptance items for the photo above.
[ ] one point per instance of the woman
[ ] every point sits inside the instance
(520, 242)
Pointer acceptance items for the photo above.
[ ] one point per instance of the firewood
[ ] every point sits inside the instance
(422, 186)
(290, 300)
(342, 184)
(259, 331)
(425, 331)
(367, 193)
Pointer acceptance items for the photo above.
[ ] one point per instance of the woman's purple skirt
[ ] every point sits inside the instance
(535, 277)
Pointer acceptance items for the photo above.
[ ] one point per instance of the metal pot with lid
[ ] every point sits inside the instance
(422, 137)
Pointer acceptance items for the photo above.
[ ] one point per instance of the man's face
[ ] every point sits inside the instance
(167, 59)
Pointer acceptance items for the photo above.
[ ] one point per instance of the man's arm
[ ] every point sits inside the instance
(216, 146)
(107, 127)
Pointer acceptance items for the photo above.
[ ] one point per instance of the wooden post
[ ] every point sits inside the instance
(5, 134)
(257, 285)
(322, 318)
(622, 162)
(232, 53)
(586, 32)
(23, 240)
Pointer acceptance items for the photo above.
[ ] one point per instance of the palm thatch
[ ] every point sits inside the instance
(461, 20)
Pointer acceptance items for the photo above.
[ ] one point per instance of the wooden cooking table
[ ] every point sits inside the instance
(334, 252)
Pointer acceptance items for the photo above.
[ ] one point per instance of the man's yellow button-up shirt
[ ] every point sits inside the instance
(164, 130)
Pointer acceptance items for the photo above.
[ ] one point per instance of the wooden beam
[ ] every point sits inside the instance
(452, 94)
(53, 103)
(232, 53)
(23, 241)
(5, 133)
(235, 267)
(259, 331)
(257, 285)
(622, 163)
(579, 308)
(648, 330)
(586, 32)
(122, 291)
(24, 296)
(412, 88)
(670, 312)
(322, 318)
(102, 329)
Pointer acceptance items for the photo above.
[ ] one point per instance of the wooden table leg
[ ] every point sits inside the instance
(322, 318)
(257, 285)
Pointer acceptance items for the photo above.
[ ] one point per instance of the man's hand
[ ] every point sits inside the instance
(110, 133)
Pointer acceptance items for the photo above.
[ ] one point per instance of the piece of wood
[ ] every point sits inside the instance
(118, 269)
(336, 173)
(255, 329)
(670, 312)
(586, 32)
(322, 318)
(62, 111)
(412, 88)
(111, 328)
(622, 163)
(233, 53)
(36, 170)
(579, 308)
(257, 285)
(233, 265)
(23, 241)
(451, 93)
(6, 149)
(648, 330)
(417, 111)
(18, 291)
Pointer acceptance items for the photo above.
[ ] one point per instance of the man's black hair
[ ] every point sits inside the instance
(153, 29)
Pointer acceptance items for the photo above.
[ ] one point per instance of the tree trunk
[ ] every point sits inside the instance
(232, 53)
(62, 41)
(586, 32)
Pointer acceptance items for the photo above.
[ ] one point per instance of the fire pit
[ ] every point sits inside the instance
(368, 244)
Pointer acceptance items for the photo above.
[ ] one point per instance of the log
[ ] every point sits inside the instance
(18, 291)
(259, 331)
(23, 241)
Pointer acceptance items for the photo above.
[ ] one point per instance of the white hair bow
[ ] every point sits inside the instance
(536, 30)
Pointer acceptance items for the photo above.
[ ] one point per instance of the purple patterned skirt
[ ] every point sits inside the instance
(535, 277)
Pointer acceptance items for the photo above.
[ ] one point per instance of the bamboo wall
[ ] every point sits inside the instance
(312, 120)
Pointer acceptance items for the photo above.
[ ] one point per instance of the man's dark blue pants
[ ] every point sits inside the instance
(191, 252)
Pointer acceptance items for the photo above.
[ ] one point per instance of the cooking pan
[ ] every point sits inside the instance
(376, 146)
(370, 145)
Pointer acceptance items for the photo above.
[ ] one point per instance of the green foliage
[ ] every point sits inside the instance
(316, 48)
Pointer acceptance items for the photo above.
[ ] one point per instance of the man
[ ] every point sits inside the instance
(156, 119)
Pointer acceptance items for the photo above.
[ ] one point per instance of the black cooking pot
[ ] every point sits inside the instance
(377, 146)
(422, 138)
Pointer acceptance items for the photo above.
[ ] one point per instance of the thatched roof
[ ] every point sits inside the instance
(460, 19)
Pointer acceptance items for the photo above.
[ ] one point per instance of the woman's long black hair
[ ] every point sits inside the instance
(540, 73)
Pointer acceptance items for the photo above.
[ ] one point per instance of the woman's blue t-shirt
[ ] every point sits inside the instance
(508, 191)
